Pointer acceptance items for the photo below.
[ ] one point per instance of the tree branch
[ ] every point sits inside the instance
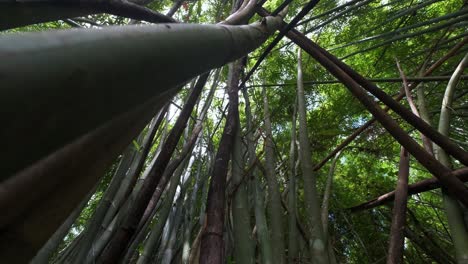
(419, 187)
(25, 13)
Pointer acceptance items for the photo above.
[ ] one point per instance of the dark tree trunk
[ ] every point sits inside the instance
(212, 243)
(397, 238)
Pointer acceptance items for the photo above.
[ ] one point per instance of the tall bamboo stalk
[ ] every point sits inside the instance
(318, 247)
(275, 211)
(457, 225)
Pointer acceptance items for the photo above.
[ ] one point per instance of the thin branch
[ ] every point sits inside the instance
(452, 22)
(418, 187)
(72, 23)
(282, 33)
(18, 14)
(427, 143)
(397, 238)
(394, 32)
(377, 80)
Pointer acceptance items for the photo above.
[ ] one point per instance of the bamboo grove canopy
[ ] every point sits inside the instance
(244, 131)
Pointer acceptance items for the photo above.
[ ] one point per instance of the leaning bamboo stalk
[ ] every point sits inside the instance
(93, 53)
(131, 158)
(453, 210)
(139, 207)
(167, 251)
(54, 83)
(157, 229)
(190, 217)
(23, 13)
(170, 170)
(400, 96)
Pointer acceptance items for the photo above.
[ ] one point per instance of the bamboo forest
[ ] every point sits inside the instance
(234, 131)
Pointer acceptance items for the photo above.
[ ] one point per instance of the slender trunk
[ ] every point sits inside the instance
(212, 243)
(427, 143)
(186, 150)
(169, 249)
(422, 106)
(190, 216)
(275, 211)
(453, 209)
(128, 228)
(105, 235)
(132, 254)
(325, 211)
(157, 229)
(172, 166)
(327, 194)
(293, 249)
(114, 215)
(243, 243)
(130, 186)
(65, 255)
(175, 6)
(128, 170)
(195, 250)
(263, 233)
(425, 243)
(317, 243)
(259, 208)
(397, 238)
